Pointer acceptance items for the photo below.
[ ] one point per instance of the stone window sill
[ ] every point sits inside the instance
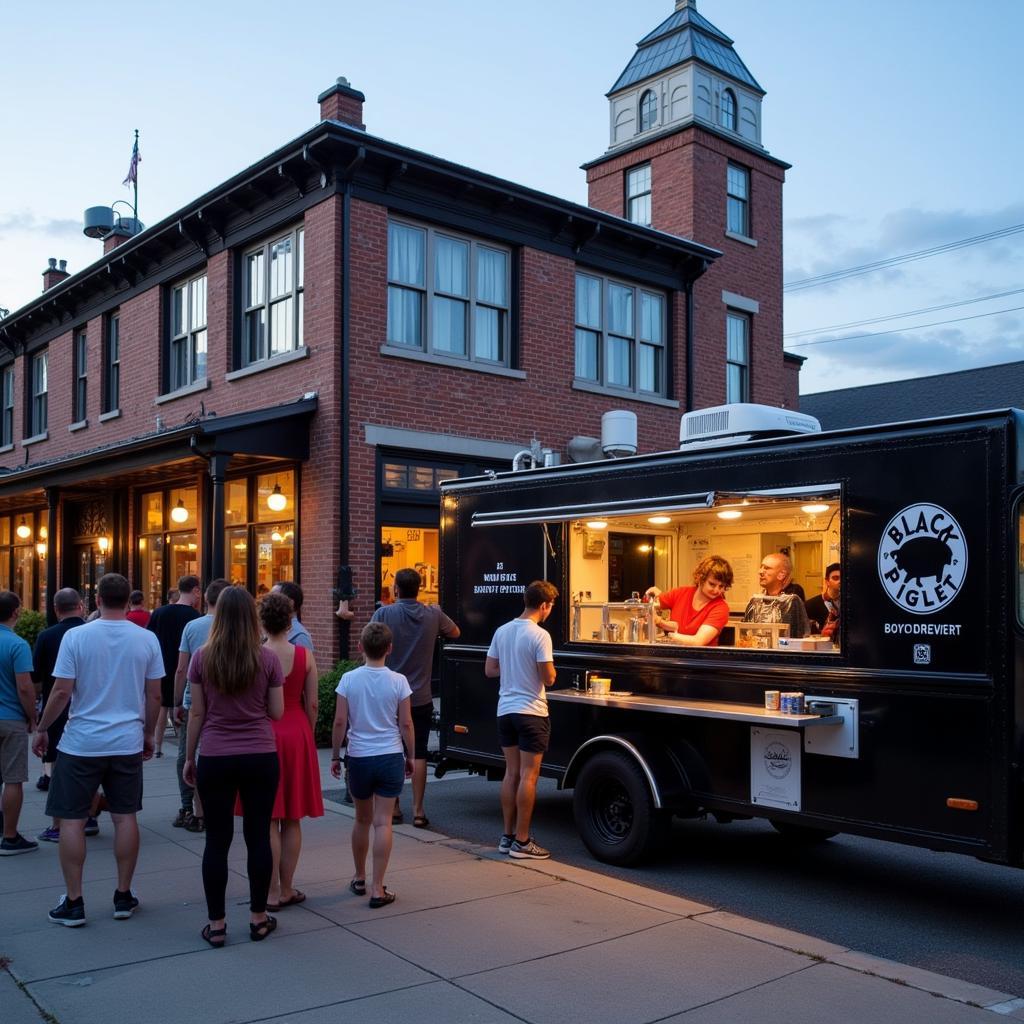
(456, 364)
(35, 439)
(112, 415)
(268, 364)
(7, 448)
(752, 242)
(80, 425)
(189, 389)
(625, 396)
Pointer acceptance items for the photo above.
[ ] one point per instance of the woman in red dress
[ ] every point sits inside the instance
(697, 613)
(298, 793)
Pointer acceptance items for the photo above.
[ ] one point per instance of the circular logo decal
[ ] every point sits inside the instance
(922, 558)
(776, 759)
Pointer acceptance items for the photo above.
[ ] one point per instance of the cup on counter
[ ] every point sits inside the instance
(599, 686)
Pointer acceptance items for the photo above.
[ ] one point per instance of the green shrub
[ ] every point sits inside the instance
(326, 700)
(29, 625)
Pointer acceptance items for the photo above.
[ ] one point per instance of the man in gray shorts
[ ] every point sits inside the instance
(110, 670)
(521, 656)
(17, 719)
(415, 628)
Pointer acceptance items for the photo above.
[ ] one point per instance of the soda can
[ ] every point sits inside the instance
(798, 703)
(786, 701)
(772, 700)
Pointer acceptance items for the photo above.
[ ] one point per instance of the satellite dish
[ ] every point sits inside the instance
(99, 221)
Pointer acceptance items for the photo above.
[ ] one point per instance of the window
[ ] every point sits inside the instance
(112, 364)
(7, 410)
(448, 295)
(620, 335)
(259, 535)
(648, 110)
(168, 542)
(737, 357)
(410, 476)
(273, 298)
(727, 110)
(39, 383)
(187, 363)
(738, 191)
(80, 366)
(638, 195)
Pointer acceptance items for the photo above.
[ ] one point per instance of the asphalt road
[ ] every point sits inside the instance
(942, 912)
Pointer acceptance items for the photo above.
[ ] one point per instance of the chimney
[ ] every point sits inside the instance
(342, 103)
(123, 229)
(53, 274)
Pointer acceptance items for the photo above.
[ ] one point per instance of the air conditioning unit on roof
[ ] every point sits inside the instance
(723, 424)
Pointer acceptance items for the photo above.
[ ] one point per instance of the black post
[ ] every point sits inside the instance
(218, 471)
(53, 551)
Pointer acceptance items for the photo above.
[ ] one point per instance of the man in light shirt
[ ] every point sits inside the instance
(521, 656)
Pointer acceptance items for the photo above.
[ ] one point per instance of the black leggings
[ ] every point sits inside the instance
(253, 778)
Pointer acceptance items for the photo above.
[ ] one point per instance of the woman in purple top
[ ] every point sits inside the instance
(236, 691)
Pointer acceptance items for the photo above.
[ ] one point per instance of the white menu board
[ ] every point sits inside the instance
(775, 768)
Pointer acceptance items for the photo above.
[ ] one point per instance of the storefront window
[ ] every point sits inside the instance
(236, 505)
(152, 512)
(168, 544)
(275, 555)
(236, 551)
(151, 569)
(404, 547)
(22, 567)
(275, 496)
(260, 545)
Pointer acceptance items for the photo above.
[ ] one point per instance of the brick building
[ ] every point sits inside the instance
(270, 382)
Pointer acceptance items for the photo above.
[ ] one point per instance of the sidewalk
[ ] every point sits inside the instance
(473, 938)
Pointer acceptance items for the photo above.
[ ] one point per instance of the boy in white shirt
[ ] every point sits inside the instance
(374, 708)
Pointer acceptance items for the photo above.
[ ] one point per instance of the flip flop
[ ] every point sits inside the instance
(376, 902)
(420, 821)
(210, 935)
(357, 887)
(295, 898)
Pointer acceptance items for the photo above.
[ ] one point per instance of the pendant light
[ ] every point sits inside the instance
(179, 513)
(276, 500)
(24, 531)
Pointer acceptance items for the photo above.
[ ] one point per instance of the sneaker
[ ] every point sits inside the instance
(70, 913)
(92, 827)
(43, 782)
(505, 843)
(181, 820)
(125, 904)
(19, 844)
(528, 851)
(49, 835)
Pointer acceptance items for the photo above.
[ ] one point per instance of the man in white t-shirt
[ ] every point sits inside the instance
(520, 656)
(110, 670)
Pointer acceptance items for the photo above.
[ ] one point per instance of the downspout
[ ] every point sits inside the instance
(346, 291)
(688, 291)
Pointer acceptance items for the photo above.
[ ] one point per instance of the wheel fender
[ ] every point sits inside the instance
(662, 767)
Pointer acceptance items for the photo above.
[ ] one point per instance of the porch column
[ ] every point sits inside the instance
(218, 470)
(53, 551)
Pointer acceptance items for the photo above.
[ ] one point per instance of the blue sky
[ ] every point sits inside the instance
(901, 119)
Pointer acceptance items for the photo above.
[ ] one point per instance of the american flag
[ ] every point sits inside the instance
(133, 167)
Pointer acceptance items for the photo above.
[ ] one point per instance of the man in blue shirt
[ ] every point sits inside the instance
(298, 634)
(17, 720)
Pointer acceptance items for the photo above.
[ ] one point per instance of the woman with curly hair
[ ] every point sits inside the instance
(698, 613)
(237, 688)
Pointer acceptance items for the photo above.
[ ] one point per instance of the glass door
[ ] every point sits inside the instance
(90, 564)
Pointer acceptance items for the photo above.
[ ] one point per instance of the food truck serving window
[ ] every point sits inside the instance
(725, 569)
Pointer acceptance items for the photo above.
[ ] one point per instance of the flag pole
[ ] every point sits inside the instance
(135, 210)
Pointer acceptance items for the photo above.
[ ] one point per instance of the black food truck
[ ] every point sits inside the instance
(910, 723)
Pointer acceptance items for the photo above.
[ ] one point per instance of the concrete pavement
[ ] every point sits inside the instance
(473, 937)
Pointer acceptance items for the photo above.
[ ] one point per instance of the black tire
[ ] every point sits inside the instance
(615, 812)
(802, 835)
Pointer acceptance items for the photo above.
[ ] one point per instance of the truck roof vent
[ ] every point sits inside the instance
(744, 421)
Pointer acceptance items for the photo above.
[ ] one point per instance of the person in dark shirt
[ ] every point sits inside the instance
(67, 606)
(168, 622)
(823, 610)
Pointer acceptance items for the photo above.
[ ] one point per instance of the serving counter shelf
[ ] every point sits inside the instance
(750, 713)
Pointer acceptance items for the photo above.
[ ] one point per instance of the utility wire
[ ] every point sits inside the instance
(900, 316)
(893, 261)
(905, 330)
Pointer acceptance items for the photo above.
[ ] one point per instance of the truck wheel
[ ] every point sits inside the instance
(803, 835)
(615, 812)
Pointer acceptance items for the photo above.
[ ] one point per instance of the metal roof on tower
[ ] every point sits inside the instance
(685, 35)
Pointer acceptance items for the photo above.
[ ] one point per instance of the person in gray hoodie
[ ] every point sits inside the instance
(415, 628)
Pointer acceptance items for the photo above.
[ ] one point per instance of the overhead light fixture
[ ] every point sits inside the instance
(24, 530)
(644, 549)
(276, 537)
(659, 520)
(597, 524)
(43, 534)
(276, 500)
(730, 513)
(814, 509)
(179, 513)
(41, 549)
(103, 543)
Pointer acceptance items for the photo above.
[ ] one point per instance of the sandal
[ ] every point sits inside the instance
(420, 821)
(357, 887)
(293, 900)
(376, 902)
(216, 937)
(397, 818)
(258, 932)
